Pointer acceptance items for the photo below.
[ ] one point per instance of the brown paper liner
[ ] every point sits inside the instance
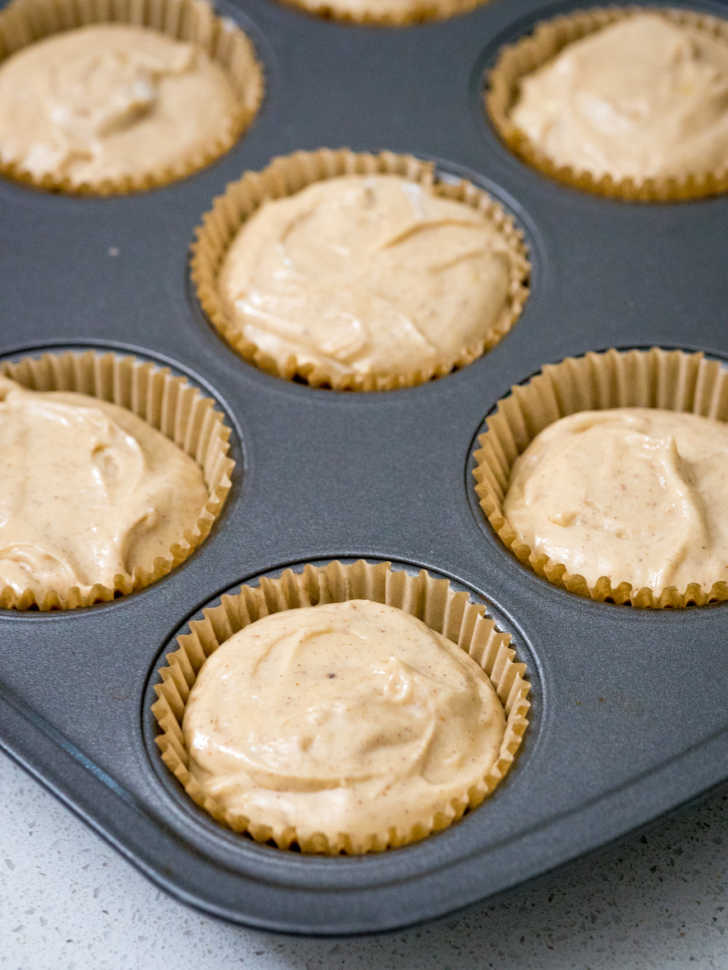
(431, 600)
(671, 380)
(167, 403)
(289, 174)
(417, 11)
(193, 21)
(543, 44)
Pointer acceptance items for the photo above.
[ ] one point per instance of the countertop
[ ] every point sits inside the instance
(654, 901)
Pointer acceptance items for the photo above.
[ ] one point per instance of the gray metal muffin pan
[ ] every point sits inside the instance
(629, 707)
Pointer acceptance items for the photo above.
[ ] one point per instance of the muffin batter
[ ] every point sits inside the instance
(88, 490)
(362, 275)
(643, 97)
(387, 11)
(633, 494)
(108, 101)
(349, 718)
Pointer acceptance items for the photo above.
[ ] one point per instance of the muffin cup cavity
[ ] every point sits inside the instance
(545, 42)
(431, 600)
(656, 378)
(23, 22)
(289, 174)
(167, 403)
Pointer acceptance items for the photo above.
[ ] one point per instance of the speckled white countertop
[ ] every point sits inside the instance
(652, 902)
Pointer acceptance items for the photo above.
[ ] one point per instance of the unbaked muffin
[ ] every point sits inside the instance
(387, 13)
(108, 107)
(607, 475)
(369, 277)
(97, 500)
(310, 712)
(628, 102)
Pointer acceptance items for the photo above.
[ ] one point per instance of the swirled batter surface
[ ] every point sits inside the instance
(366, 275)
(635, 494)
(642, 97)
(341, 718)
(110, 100)
(87, 491)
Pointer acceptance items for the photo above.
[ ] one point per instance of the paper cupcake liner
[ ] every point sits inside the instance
(671, 380)
(417, 11)
(543, 44)
(193, 21)
(289, 174)
(431, 600)
(167, 403)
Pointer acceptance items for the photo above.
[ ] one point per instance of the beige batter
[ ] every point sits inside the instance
(643, 97)
(345, 718)
(635, 494)
(110, 101)
(387, 11)
(364, 275)
(87, 491)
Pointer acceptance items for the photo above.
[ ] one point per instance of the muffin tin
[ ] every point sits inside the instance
(629, 716)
